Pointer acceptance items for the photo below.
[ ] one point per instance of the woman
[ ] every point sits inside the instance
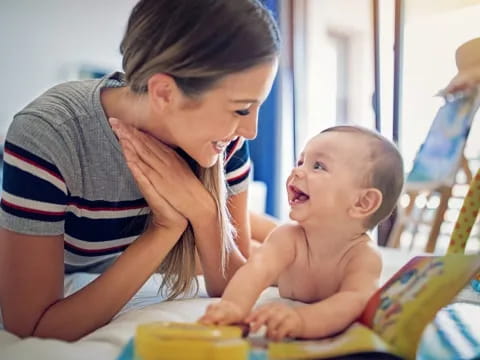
(78, 198)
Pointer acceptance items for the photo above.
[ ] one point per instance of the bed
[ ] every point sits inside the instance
(107, 342)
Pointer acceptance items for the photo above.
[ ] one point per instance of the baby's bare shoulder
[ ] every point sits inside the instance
(365, 252)
(290, 231)
(363, 269)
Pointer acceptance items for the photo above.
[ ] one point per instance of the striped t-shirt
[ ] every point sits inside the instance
(64, 173)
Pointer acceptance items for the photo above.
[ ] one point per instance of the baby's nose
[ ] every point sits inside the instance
(297, 172)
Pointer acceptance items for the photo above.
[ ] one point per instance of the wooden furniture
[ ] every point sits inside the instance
(415, 215)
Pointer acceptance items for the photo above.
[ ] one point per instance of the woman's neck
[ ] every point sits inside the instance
(120, 103)
(134, 110)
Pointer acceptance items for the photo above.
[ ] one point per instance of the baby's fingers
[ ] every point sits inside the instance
(214, 315)
(258, 318)
(207, 319)
(284, 329)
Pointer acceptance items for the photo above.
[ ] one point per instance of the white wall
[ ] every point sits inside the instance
(429, 64)
(353, 19)
(43, 43)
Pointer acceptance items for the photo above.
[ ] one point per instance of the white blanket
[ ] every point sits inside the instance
(107, 342)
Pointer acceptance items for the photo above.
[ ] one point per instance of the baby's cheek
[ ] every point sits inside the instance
(288, 179)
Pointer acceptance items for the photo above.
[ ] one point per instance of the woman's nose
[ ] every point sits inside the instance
(247, 127)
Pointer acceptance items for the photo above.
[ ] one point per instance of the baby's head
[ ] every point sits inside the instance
(348, 172)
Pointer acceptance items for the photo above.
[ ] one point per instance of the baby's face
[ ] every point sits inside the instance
(328, 176)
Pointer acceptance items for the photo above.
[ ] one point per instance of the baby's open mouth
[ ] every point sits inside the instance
(298, 195)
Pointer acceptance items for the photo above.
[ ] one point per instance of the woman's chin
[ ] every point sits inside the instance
(207, 162)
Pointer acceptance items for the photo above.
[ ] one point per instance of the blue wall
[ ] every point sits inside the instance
(263, 149)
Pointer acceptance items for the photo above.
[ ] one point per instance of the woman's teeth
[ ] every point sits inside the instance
(221, 145)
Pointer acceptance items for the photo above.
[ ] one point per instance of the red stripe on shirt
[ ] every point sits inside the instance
(30, 210)
(34, 164)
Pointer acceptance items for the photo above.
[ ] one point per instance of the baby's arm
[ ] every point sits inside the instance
(261, 270)
(334, 314)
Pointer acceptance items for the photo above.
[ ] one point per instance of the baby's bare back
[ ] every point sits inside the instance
(314, 277)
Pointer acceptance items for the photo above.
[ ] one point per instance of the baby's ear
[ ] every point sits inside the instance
(367, 202)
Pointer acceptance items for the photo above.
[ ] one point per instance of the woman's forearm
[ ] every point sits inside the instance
(93, 306)
(207, 239)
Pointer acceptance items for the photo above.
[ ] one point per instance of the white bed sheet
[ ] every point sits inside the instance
(107, 342)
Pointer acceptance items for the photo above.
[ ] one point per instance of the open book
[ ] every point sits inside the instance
(396, 315)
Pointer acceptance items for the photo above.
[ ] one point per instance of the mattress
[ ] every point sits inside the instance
(146, 306)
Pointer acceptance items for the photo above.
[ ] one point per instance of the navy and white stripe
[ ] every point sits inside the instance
(32, 187)
(237, 163)
(35, 189)
(63, 167)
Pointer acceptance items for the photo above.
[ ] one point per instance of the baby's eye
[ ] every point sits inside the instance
(318, 166)
(299, 162)
(243, 112)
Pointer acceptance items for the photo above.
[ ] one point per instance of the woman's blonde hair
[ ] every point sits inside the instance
(178, 266)
(197, 43)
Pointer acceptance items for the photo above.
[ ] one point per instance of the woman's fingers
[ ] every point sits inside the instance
(168, 172)
(163, 212)
(144, 152)
(150, 150)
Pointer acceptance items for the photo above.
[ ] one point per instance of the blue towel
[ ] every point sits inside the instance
(454, 334)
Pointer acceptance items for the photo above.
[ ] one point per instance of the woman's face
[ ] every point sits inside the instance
(204, 127)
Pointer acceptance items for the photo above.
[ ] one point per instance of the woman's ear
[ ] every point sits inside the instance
(161, 91)
(367, 202)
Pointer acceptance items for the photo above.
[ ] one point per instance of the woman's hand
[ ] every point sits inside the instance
(166, 171)
(163, 213)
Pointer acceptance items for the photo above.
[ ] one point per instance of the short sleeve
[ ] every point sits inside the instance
(34, 195)
(237, 166)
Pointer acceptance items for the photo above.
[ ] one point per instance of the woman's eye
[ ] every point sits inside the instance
(244, 112)
(318, 165)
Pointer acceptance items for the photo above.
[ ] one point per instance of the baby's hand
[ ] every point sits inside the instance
(281, 321)
(222, 313)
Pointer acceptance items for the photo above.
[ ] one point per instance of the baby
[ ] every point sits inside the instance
(347, 180)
